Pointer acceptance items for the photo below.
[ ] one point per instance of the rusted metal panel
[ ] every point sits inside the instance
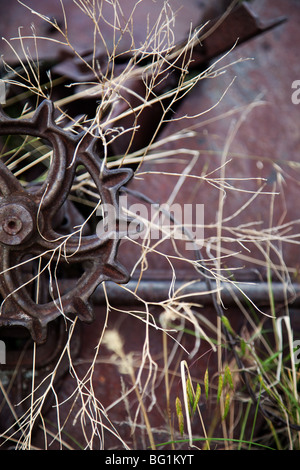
(132, 19)
(264, 152)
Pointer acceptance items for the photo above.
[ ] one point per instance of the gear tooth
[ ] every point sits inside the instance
(115, 272)
(43, 116)
(88, 140)
(83, 310)
(38, 331)
(116, 178)
(41, 120)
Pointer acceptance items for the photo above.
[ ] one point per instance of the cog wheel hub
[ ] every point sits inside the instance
(28, 225)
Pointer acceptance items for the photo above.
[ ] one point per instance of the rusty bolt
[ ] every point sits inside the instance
(16, 224)
(12, 225)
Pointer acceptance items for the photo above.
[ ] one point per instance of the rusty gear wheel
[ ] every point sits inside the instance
(27, 225)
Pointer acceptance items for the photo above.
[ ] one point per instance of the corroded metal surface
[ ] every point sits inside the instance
(26, 220)
(27, 223)
(136, 19)
(258, 108)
